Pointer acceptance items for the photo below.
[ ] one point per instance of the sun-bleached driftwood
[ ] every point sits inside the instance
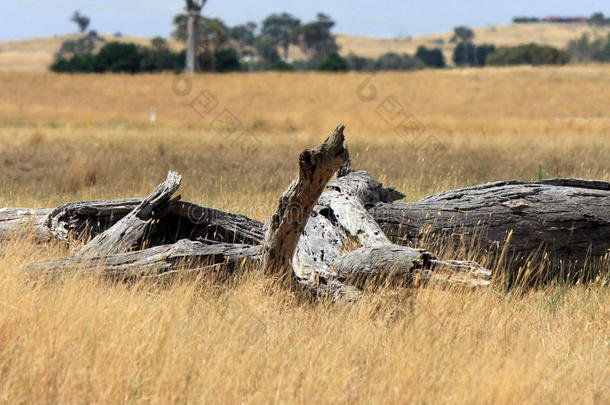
(342, 245)
(311, 232)
(569, 218)
(565, 216)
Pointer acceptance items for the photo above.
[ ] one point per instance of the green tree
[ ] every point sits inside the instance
(281, 30)
(464, 54)
(84, 45)
(394, 61)
(227, 60)
(316, 40)
(528, 54)
(117, 57)
(462, 33)
(159, 57)
(585, 50)
(482, 52)
(213, 35)
(267, 51)
(243, 33)
(598, 19)
(334, 63)
(82, 21)
(360, 63)
(431, 57)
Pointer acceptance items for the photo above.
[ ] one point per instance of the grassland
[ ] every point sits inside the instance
(65, 138)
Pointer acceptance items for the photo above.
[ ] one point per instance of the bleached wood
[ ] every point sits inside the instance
(316, 167)
(127, 232)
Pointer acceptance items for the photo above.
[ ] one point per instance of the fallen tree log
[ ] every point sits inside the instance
(568, 218)
(18, 223)
(183, 220)
(155, 261)
(324, 233)
(130, 229)
(315, 226)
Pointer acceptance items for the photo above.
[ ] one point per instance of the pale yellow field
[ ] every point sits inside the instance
(66, 138)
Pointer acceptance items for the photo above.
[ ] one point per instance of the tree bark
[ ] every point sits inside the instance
(24, 223)
(569, 218)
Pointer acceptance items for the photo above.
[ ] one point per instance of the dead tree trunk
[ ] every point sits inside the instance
(317, 228)
(316, 167)
(185, 255)
(24, 222)
(569, 218)
(327, 237)
(193, 10)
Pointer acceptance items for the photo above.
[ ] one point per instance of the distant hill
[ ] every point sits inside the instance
(37, 54)
(557, 35)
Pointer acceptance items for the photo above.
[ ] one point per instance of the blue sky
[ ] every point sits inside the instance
(25, 19)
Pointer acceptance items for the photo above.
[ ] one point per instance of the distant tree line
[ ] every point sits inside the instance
(596, 19)
(248, 47)
(586, 49)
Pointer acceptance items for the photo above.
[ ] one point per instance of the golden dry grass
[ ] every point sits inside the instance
(65, 138)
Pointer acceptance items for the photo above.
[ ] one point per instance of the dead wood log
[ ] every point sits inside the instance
(569, 218)
(336, 245)
(183, 220)
(311, 232)
(556, 215)
(343, 245)
(130, 229)
(316, 167)
(24, 222)
(321, 234)
(156, 261)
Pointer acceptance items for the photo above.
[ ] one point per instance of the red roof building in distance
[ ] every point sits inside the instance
(564, 19)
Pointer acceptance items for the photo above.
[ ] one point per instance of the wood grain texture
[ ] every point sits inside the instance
(570, 218)
(316, 167)
(18, 223)
(156, 261)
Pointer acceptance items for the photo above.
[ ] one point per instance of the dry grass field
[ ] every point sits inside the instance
(84, 340)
